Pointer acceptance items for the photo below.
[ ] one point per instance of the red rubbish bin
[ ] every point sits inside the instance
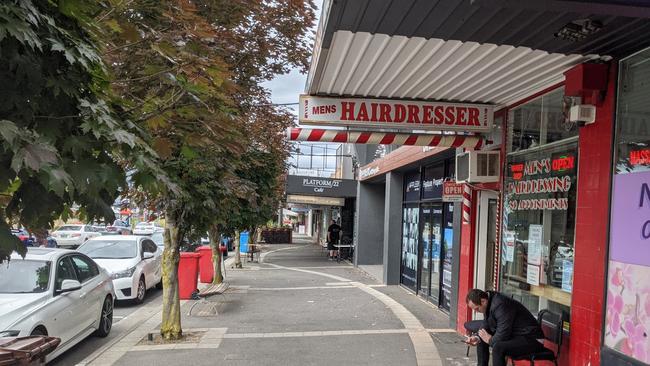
(188, 271)
(206, 269)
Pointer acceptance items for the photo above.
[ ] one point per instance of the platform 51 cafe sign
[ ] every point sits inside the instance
(395, 114)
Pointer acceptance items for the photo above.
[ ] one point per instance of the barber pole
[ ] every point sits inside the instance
(497, 248)
(467, 204)
(384, 138)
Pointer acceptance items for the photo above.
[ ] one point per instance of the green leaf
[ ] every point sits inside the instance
(34, 157)
(9, 131)
(124, 137)
(188, 152)
(113, 25)
(59, 180)
(156, 122)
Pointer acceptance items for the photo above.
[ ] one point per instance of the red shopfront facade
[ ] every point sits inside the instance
(552, 213)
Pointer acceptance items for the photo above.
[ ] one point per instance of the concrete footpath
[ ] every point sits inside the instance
(297, 308)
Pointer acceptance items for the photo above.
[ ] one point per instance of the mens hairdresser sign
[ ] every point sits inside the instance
(401, 114)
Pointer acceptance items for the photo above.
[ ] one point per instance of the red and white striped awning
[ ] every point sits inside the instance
(384, 138)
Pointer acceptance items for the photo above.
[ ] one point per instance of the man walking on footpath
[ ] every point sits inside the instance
(508, 327)
(333, 232)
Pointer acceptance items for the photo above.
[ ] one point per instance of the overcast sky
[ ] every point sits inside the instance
(287, 88)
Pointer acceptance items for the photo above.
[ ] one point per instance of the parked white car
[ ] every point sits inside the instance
(146, 228)
(133, 262)
(72, 236)
(159, 239)
(55, 292)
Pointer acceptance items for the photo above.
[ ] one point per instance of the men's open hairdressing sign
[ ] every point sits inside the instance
(395, 114)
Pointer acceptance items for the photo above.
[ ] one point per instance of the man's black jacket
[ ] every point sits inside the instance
(507, 318)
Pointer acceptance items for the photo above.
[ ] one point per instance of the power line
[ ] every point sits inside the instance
(278, 104)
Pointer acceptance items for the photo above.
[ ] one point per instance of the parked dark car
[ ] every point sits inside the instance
(119, 227)
(29, 240)
(24, 236)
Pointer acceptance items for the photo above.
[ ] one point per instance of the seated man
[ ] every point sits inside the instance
(508, 327)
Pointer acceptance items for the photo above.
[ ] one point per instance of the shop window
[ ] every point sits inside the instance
(410, 236)
(412, 186)
(539, 206)
(432, 181)
(539, 122)
(627, 323)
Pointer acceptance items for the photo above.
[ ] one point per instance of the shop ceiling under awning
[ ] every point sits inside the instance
(470, 51)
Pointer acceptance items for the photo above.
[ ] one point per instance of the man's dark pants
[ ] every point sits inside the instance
(513, 347)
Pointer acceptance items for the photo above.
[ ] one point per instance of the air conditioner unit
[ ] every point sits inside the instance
(478, 167)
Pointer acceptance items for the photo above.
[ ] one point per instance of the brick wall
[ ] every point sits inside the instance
(592, 215)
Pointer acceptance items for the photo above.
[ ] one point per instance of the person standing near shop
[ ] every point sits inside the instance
(333, 233)
(508, 327)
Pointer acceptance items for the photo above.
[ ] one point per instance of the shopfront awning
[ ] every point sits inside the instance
(286, 212)
(471, 51)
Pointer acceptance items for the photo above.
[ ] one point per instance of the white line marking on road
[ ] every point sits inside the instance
(327, 333)
(297, 288)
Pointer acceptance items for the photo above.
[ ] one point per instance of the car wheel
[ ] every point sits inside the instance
(142, 289)
(106, 318)
(39, 331)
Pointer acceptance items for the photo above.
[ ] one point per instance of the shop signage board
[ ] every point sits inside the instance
(395, 114)
(316, 186)
(452, 192)
(630, 227)
(315, 200)
(541, 184)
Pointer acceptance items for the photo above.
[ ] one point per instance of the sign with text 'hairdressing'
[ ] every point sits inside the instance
(395, 114)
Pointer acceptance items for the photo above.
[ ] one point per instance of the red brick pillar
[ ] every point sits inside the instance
(591, 240)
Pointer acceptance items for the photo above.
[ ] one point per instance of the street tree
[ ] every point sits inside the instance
(61, 144)
(188, 72)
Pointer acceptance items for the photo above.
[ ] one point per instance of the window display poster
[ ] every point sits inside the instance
(567, 275)
(532, 275)
(410, 217)
(448, 240)
(436, 242)
(627, 321)
(535, 244)
(510, 246)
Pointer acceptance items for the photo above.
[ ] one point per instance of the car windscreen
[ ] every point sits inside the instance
(20, 276)
(158, 239)
(69, 228)
(110, 249)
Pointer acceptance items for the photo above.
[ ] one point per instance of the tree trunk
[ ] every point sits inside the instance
(238, 263)
(170, 327)
(251, 235)
(216, 253)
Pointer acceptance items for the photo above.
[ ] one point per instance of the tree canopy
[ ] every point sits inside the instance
(190, 74)
(161, 100)
(60, 142)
